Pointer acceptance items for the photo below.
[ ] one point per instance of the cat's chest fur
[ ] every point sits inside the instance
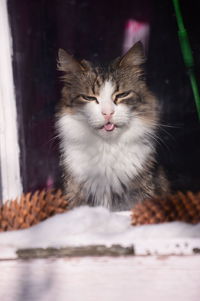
(103, 168)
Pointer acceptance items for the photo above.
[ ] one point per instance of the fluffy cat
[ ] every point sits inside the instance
(107, 121)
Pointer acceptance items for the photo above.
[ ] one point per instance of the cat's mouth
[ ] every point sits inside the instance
(109, 127)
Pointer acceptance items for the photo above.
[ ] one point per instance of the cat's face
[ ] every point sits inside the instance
(108, 101)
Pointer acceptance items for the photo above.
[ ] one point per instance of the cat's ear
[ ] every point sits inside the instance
(134, 57)
(86, 65)
(68, 63)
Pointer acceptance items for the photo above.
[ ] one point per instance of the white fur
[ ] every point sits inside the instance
(105, 98)
(103, 159)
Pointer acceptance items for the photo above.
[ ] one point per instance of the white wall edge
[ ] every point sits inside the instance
(9, 143)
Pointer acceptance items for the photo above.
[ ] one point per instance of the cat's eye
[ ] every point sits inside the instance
(122, 95)
(89, 98)
(128, 97)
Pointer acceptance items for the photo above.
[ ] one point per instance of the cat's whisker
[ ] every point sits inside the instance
(169, 126)
(54, 140)
(158, 140)
(160, 127)
(168, 134)
(159, 124)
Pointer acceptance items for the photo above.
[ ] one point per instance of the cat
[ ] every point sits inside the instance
(107, 121)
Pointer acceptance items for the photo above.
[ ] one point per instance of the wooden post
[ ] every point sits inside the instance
(9, 144)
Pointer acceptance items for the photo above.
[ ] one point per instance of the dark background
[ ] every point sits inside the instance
(95, 30)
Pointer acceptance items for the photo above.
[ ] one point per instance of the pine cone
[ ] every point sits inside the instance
(31, 209)
(177, 207)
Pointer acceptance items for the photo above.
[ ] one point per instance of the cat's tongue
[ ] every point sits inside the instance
(109, 127)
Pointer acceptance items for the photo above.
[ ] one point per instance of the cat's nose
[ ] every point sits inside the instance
(107, 115)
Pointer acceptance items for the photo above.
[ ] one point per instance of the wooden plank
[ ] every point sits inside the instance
(96, 250)
(142, 278)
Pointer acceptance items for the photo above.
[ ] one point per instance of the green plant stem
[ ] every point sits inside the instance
(187, 54)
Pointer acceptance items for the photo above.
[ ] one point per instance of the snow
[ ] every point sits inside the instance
(102, 278)
(85, 226)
